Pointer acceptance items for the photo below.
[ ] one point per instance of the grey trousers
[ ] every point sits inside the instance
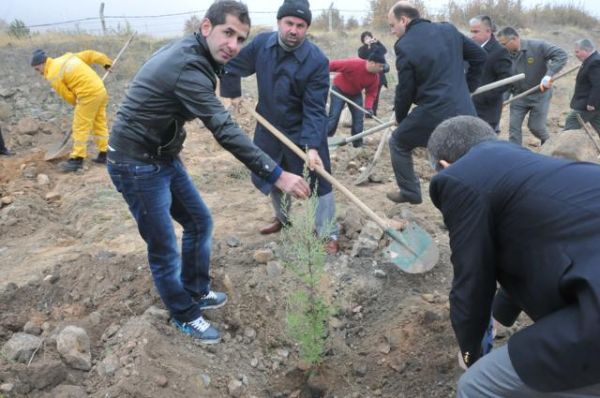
(537, 105)
(571, 123)
(494, 376)
(404, 170)
(324, 217)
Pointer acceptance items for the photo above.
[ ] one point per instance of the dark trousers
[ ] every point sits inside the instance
(2, 146)
(157, 193)
(336, 105)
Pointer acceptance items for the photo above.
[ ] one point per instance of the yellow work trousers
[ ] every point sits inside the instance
(90, 117)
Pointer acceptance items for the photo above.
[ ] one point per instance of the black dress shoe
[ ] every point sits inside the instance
(399, 197)
(6, 152)
(272, 228)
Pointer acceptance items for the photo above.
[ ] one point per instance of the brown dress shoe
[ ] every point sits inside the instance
(275, 226)
(332, 246)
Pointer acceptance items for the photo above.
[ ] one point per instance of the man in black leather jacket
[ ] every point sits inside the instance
(175, 85)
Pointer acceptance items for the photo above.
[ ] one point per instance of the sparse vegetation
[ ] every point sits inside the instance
(191, 25)
(18, 29)
(304, 255)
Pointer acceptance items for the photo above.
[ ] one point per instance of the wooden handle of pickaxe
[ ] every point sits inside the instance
(537, 88)
(119, 54)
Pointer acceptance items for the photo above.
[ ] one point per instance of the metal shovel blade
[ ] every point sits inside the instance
(412, 249)
(58, 149)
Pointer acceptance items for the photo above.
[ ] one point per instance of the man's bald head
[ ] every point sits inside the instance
(400, 16)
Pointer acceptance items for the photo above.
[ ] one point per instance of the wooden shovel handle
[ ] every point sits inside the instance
(320, 170)
(536, 88)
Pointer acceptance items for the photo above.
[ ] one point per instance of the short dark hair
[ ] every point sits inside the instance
(406, 10)
(454, 137)
(218, 11)
(365, 34)
(508, 31)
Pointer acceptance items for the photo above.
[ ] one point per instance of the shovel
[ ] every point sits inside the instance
(412, 249)
(338, 141)
(60, 148)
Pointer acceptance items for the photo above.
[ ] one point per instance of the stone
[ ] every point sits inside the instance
(7, 200)
(233, 241)
(53, 196)
(109, 366)
(274, 269)
(359, 370)
(52, 278)
(367, 243)
(73, 345)
(430, 298)
(21, 347)
(352, 222)
(28, 126)
(7, 387)
(32, 328)
(573, 145)
(249, 334)
(67, 391)
(110, 332)
(235, 388)
(156, 313)
(43, 179)
(161, 381)
(379, 273)
(46, 374)
(263, 256)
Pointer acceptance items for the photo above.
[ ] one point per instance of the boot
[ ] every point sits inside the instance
(72, 165)
(6, 152)
(101, 158)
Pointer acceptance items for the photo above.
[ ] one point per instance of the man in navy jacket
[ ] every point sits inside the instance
(497, 66)
(430, 63)
(586, 98)
(532, 224)
(293, 82)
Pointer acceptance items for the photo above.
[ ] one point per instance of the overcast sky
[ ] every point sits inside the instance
(34, 12)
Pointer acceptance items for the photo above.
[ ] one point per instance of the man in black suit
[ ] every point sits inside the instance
(586, 99)
(532, 224)
(497, 66)
(430, 63)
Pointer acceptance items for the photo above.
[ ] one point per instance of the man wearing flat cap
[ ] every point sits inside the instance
(293, 81)
(353, 76)
(71, 76)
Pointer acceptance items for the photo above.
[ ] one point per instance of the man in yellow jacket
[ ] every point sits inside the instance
(77, 83)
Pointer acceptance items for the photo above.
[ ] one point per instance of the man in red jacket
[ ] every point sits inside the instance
(353, 76)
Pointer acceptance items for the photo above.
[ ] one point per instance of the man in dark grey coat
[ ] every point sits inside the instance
(586, 99)
(175, 85)
(540, 61)
(430, 63)
(498, 65)
(530, 223)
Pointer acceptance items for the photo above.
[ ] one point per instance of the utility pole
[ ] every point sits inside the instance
(102, 19)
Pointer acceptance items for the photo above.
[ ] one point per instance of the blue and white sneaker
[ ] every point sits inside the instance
(199, 329)
(212, 300)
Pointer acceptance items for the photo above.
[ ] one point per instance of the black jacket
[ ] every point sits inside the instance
(532, 224)
(587, 84)
(430, 63)
(177, 84)
(497, 66)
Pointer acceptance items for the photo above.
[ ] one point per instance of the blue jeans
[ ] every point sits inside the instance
(157, 192)
(336, 105)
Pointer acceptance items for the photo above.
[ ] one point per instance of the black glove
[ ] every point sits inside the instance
(107, 66)
(369, 113)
